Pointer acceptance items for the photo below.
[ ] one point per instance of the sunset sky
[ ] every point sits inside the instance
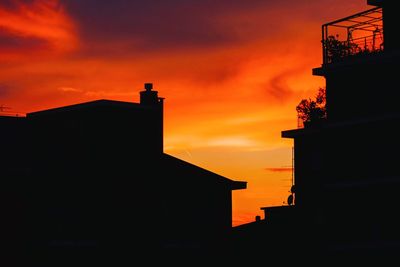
(232, 73)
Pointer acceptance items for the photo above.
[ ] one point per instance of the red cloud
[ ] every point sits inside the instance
(37, 22)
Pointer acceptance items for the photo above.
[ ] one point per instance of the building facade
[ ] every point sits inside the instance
(91, 180)
(346, 174)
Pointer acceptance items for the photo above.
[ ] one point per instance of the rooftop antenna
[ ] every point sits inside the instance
(290, 199)
(292, 165)
(3, 111)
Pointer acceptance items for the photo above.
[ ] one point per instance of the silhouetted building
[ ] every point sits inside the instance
(92, 179)
(346, 178)
(346, 174)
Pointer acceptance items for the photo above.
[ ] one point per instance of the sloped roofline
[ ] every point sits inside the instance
(234, 185)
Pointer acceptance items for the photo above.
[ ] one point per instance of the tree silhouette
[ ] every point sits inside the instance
(313, 110)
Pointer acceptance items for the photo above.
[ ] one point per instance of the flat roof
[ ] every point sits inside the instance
(274, 208)
(95, 103)
(337, 124)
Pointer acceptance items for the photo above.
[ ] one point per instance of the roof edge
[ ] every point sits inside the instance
(375, 2)
(99, 102)
(233, 184)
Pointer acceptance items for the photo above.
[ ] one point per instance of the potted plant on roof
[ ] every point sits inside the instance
(313, 112)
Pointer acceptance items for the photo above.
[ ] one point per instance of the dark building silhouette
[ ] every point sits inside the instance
(346, 178)
(346, 174)
(91, 181)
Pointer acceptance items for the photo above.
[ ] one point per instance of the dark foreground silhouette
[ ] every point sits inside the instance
(346, 175)
(90, 183)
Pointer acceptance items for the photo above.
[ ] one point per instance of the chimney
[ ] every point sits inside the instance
(154, 109)
(149, 97)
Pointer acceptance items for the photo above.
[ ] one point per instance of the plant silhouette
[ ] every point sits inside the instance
(313, 110)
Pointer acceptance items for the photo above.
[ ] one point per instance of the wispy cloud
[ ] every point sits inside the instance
(70, 90)
(279, 169)
(36, 24)
(278, 87)
(232, 141)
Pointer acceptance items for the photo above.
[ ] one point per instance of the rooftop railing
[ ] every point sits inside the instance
(358, 34)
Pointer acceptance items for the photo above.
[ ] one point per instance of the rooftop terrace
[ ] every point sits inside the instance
(355, 35)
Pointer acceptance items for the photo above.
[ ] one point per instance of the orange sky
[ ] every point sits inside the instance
(232, 73)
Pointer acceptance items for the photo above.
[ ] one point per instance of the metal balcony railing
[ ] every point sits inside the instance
(358, 34)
